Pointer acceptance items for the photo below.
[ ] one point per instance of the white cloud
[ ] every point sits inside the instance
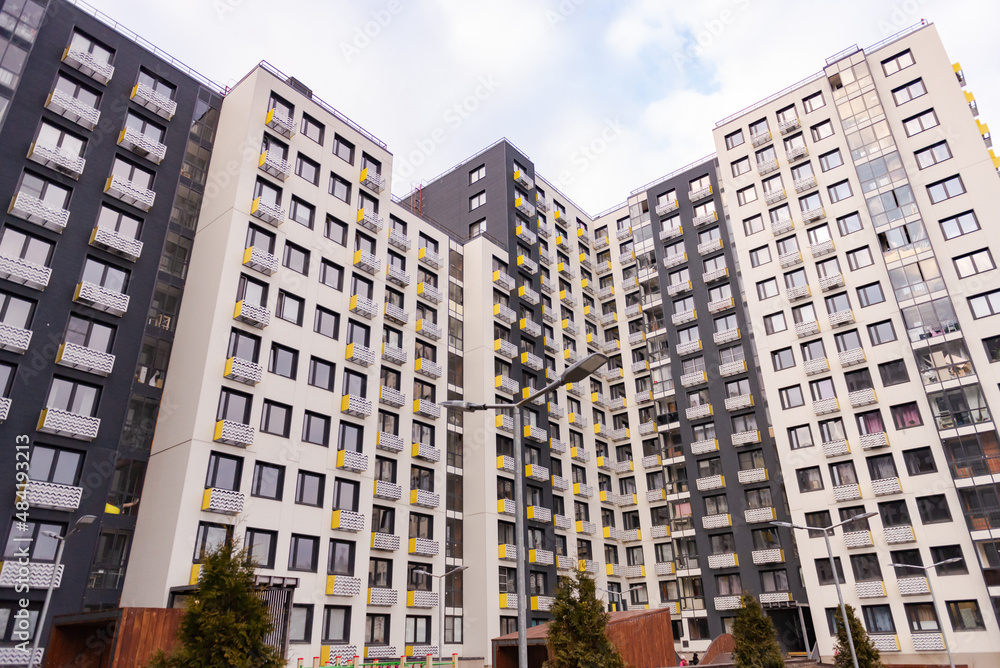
(666, 71)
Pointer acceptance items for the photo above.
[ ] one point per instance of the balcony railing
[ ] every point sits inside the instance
(71, 425)
(371, 179)
(233, 433)
(21, 271)
(40, 213)
(41, 494)
(399, 240)
(73, 109)
(88, 64)
(159, 104)
(130, 193)
(86, 359)
(393, 354)
(222, 501)
(147, 147)
(271, 214)
(110, 240)
(101, 298)
(54, 157)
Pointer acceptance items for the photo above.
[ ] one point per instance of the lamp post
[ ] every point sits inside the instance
(827, 532)
(572, 374)
(61, 543)
(930, 588)
(441, 603)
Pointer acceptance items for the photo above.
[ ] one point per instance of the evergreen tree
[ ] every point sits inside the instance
(868, 655)
(576, 635)
(226, 623)
(756, 639)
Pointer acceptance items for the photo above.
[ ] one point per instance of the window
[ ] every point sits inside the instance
(759, 256)
(741, 166)
(283, 361)
(55, 465)
(312, 128)
(296, 258)
(340, 188)
(809, 479)
(343, 149)
(775, 322)
(907, 415)
(276, 419)
(234, 406)
(224, 472)
(335, 230)
(105, 275)
(933, 509)
(73, 397)
(734, 139)
(893, 373)
(866, 567)
(309, 488)
(828, 161)
(209, 537)
(307, 169)
(974, 263)
(942, 190)
(917, 124)
(300, 622)
(477, 200)
(290, 307)
(345, 494)
(91, 334)
(791, 397)
(907, 92)
(766, 289)
(825, 574)
(337, 623)
(821, 130)
(956, 226)
(813, 102)
(850, 223)
(783, 359)
(158, 85)
(261, 545)
(316, 428)
(477, 174)
(350, 437)
(839, 191)
(340, 560)
(321, 373)
(418, 630)
(878, 618)
(331, 274)
(820, 520)
(327, 323)
(933, 154)
(268, 481)
(898, 62)
(746, 195)
(870, 294)
(800, 437)
(965, 616)
(881, 332)
(861, 257)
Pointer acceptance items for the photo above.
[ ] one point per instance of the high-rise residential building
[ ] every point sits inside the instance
(106, 147)
(862, 201)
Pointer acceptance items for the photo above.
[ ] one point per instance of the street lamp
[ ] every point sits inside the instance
(82, 522)
(827, 532)
(953, 560)
(572, 374)
(440, 603)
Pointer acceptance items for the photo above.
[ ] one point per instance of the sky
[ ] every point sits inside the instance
(604, 96)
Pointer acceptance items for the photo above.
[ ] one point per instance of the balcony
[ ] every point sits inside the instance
(388, 442)
(359, 354)
(710, 482)
(771, 556)
(385, 541)
(426, 408)
(280, 123)
(424, 498)
(786, 126)
(870, 589)
(429, 292)
(684, 316)
(698, 412)
(130, 193)
(781, 226)
(50, 495)
(585, 527)
(539, 514)
(804, 184)
(523, 179)
(716, 275)
(86, 359)
(55, 158)
(506, 507)
(726, 560)
(796, 153)
(233, 433)
(694, 378)
(506, 384)
(524, 233)
(538, 435)
(860, 398)
(874, 440)
(101, 299)
(342, 585)
(222, 501)
(813, 215)
(395, 314)
(826, 406)
(774, 196)
(760, 138)
(73, 109)
(798, 292)
(23, 272)
(504, 314)
(806, 328)
(752, 476)
(347, 520)
(746, 437)
(423, 547)
(857, 539)
(71, 425)
(666, 207)
(393, 354)
(727, 603)
(272, 214)
(705, 218)
(719, 305)
(371, 179)
(886, 486)
(767, 166)
(841, 318)
(275, 165)
(912, 586)
(363, 306)
(739, 402)
(815, 366)
(356, 406)
(732, 368)
(528, 295)
(677, 288)
(524, 206)
(378, 596)
(560, 448)
(505, 423)
(399, 240)
(852, 357)
(654, 495)
(396, 275)
(665, 568)
(837, 448)
(34, 575)
(38, 212)
(428, 368)
(894, 535)
(846, 492)
(704, 446)
(758, 515)
(388, 490)
(582, 489)
(430, 258)
(726, 336)
(88, 64)
(425, 327)
(527, 264)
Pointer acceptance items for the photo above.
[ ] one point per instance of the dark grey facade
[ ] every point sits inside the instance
(728, 494)
(95, 248)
